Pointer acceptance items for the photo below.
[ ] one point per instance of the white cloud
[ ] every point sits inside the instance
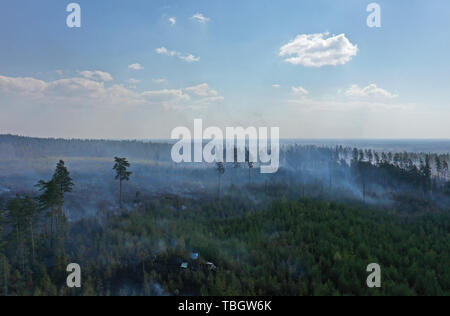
(276, 86)
(173, 20)
(203, 96)
(200, 18)
(300, 91)
(165, 51)
(188, 58)
(82, 92)
(202, 90)
(159, 80)
(370, 91)
(317, 50)
(96, 75)
(70, 91)
(74, 88)
(28, 86)
(194, 98)
(135, 67)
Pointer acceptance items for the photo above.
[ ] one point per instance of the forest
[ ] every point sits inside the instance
(138, 224)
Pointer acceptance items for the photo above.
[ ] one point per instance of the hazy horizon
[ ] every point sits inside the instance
(281, 139)
(395, 145)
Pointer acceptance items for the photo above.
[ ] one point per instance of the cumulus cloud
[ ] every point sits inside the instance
(27, 85)
(135, 67)
(195, 97)
(165, 51)
(173, 20)
(300, 91)
(202, 90)
(318, 50)
(96, 75)
(159, 80)
(75, 88)
(80, 91)
(172, 53)
(370, 91)
(190, 58)
(203, 95)
(200, 18)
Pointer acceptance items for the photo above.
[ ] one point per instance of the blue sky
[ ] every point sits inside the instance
(221, 61)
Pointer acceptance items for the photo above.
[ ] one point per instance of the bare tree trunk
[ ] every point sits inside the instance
(51, 223)
(53, 228)
(32, 237)
(218, 193)
(120, 195)
(20, 246)
(56, 221)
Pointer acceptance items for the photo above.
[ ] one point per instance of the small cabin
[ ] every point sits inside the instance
(184, 265)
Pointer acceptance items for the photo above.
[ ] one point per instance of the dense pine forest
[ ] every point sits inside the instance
(138, 224)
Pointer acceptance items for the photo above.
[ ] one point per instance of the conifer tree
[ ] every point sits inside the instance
(445, 168)
(30, 212)
(220, 168)
(122, 174)
(62, 178)
(50, 200)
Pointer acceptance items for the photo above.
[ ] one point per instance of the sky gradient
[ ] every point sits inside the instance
(138, 69)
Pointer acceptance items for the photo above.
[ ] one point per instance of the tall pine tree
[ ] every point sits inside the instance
(62, 178)
(122, 174)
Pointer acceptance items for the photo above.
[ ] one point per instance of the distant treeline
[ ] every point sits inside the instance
(25, 147)
(336, 171)
(294, 156)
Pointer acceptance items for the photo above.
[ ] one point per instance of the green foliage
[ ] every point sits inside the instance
(51, 197)
(248, 244)
(120, 166)
(303, 247)
(62, 178)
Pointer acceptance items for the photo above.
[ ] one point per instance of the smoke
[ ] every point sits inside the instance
(305, 170)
